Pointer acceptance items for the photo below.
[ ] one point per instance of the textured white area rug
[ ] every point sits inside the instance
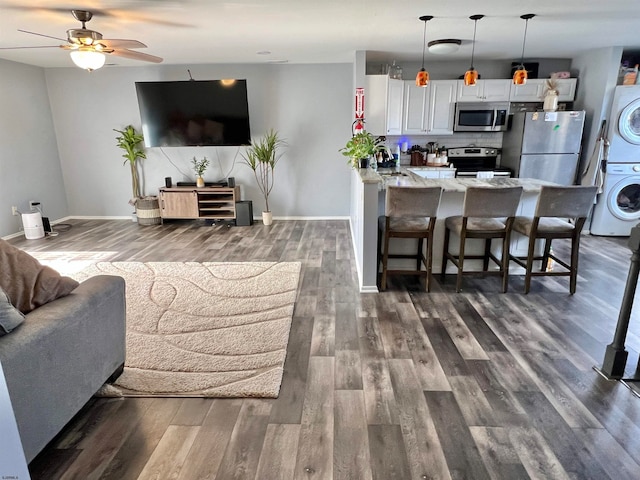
(204, 329)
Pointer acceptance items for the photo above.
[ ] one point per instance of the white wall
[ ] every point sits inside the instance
(29, 164)
(309, 105)
(598, 73)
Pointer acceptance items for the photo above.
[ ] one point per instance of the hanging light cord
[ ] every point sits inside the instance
(524, 39)
(473, 47)
(424, 40)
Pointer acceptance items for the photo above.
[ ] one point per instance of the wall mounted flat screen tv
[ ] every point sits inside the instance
(194, 112)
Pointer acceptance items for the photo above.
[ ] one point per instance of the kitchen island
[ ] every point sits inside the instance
(367, 203)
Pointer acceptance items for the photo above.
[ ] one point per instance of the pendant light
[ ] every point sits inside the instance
(471, 75)
(520, 75)
(422, 79)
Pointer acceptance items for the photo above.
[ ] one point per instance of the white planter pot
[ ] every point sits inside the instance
(267, 218)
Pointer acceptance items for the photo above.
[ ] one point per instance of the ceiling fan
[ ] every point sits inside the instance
(87, 48)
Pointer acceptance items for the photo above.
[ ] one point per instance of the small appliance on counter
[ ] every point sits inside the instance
(477, 162)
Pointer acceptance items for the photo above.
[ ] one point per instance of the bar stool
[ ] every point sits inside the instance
(488, 213)
(410, 212)
(560, 213)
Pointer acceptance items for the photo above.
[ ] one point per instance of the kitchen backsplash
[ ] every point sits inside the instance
(492, 139)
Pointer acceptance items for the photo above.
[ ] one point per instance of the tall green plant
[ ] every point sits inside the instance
(130, 140)
(262, 157)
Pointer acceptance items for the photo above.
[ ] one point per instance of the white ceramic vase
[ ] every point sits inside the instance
(267, 218)
(550, 101)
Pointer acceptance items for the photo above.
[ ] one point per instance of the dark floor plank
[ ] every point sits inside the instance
(213, 437)
(240, 460)
(350, 453)
(498, 454)
(388, 457)
(277, 458)
(460, 450)
(560, 437)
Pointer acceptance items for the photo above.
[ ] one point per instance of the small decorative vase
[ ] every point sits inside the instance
(267, 218)
(199, 182)
(550, 101)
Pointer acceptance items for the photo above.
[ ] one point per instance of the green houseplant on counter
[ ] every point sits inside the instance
(147, 208)
(360, 148)
(262, 157)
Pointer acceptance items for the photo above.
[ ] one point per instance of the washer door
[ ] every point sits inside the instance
(629, 122)
(624, 199)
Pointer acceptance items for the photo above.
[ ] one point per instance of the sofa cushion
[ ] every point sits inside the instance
(28, 283)
(10, 317)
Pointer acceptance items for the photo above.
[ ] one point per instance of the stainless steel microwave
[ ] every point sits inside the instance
(481, 117)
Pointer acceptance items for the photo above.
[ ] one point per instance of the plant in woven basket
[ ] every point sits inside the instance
(129, 140)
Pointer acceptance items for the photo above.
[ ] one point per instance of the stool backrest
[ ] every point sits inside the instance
(491, 202)
(565, 202)
(412, 201)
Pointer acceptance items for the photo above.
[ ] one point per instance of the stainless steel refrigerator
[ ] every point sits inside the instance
(544, 145)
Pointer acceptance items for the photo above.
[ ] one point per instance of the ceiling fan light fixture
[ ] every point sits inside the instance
(520, 75)
(87, 58)
(471, 75)
(444, 46)
(422, 78)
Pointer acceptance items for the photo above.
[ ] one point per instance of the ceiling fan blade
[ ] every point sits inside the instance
(21, 48)
(43, 35)
(120, 43)
(135, 55)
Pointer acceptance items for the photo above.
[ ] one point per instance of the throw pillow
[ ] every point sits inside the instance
(10, 318)
(28, 283)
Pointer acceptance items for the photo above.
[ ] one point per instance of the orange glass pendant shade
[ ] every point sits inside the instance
(422, 79)
(471, 77)
(520, 76)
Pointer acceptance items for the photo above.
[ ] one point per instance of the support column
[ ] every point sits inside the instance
(615, 358)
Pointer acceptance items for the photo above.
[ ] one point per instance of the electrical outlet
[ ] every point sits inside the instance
(14, 210)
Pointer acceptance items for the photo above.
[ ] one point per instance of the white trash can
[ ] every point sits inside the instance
(33, 227)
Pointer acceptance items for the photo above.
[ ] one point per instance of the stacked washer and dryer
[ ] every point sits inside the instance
(617, 210)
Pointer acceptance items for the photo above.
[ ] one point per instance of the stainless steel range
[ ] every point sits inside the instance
(475, 161)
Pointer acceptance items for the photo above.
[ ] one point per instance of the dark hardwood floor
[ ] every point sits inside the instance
(396, 385)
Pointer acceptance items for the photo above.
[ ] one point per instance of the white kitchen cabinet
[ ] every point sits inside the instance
(485, 91)
(383, 105)
(535, 88)
(442, 103)
(429, 110)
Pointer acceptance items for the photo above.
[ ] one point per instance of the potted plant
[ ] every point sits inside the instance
(359, 148)
(199, 166)
(147, 208)
(262, 157)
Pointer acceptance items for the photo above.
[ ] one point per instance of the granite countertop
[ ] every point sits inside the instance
(405, 178)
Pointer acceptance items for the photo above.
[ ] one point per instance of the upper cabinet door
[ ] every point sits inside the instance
(535, 89)
(497, 90)
(416, 108)
(442, 102)
(395, 96)
(383, 105)
(485, 91)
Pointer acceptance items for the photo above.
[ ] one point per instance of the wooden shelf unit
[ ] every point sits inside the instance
(193, 202)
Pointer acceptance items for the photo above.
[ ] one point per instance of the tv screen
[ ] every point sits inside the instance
(194, 112)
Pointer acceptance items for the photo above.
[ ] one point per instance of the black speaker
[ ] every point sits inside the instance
(244, 213)
(167, 182)
(231, 182)
(46, 224)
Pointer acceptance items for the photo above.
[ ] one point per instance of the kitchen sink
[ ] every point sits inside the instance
(392, 174)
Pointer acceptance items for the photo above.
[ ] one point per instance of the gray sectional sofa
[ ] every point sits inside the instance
(61, 355)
